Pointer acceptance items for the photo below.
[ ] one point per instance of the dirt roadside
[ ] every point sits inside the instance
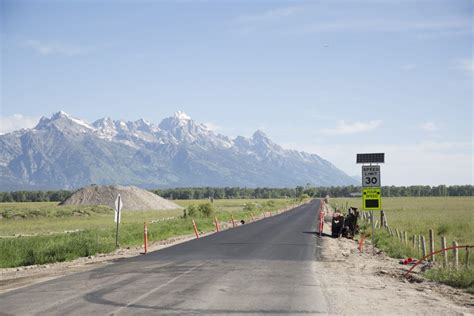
(360, 283)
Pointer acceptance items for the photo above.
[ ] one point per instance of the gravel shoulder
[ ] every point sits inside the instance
(360, 283)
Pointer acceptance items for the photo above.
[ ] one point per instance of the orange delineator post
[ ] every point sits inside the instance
(233, 221)
(195, 229)
(217, 223)
(145, 237)
(361, 243)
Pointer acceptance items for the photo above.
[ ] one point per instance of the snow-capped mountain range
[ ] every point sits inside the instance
(63, 152)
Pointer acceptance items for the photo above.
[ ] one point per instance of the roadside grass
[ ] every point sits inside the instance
(461, 278)
(451, 217)
(48, 209)
(81, 231)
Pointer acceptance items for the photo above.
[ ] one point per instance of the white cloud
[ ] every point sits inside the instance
(213, 127)
(387, 25)
(429, 127)
(345, 128)
(15, 122)
(465, 64)
(427, 163)
(270, 15)
(55, 48)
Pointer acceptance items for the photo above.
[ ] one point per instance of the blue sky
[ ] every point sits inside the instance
(328, 77)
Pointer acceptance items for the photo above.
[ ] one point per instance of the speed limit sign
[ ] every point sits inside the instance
(371, 176)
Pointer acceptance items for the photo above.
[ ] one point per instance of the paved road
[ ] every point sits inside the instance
(266, 267)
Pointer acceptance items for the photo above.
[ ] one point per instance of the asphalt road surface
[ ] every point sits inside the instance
(266, 267)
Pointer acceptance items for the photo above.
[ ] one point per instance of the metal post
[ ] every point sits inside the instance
(145, 238)
(119, 206)
(116, 230)
(373, 231)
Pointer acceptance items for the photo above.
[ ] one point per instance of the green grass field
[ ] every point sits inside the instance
(39, 233)
(451, 217)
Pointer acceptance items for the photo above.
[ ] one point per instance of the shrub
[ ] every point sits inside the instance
(271, 203)
(249, 207)
(206, 209)
(193, 211)
(442, 229)
(303, 196)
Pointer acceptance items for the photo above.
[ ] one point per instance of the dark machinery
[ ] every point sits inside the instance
(345, 226)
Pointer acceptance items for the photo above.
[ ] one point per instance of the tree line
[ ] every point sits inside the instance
(256, 193)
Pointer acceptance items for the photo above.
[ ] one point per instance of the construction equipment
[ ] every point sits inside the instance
(345, 226)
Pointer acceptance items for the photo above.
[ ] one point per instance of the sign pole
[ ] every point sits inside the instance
(118, 208)
(371, 186)
(116, 231)
(373, 232)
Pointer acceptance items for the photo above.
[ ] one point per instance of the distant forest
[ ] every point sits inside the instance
(257, 193)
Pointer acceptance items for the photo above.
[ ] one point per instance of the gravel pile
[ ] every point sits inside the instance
(133, 198)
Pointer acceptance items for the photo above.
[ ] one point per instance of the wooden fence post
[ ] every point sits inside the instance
(466, 262)
(432, 245)
(405, 237)
(396, 231)
(456, 254)
(423, 246)
(445, 253)
(419, 244)
(382, 219)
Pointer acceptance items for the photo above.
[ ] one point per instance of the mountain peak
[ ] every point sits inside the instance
(66, 152)
(60, 114)
(180, 115)
(178, 120)
(143, 122)
(259, 134)
(64, 120)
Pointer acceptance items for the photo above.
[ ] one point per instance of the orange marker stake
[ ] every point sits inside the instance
(233, 221)
(145, 237)
(195, 229)
(217, 223)
(361, 243)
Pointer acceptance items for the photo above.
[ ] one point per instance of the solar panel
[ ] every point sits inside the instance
(371, 158)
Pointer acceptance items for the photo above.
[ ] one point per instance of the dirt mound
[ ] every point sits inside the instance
(133, 198)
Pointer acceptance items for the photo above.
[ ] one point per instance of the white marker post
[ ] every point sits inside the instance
(118, 217)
